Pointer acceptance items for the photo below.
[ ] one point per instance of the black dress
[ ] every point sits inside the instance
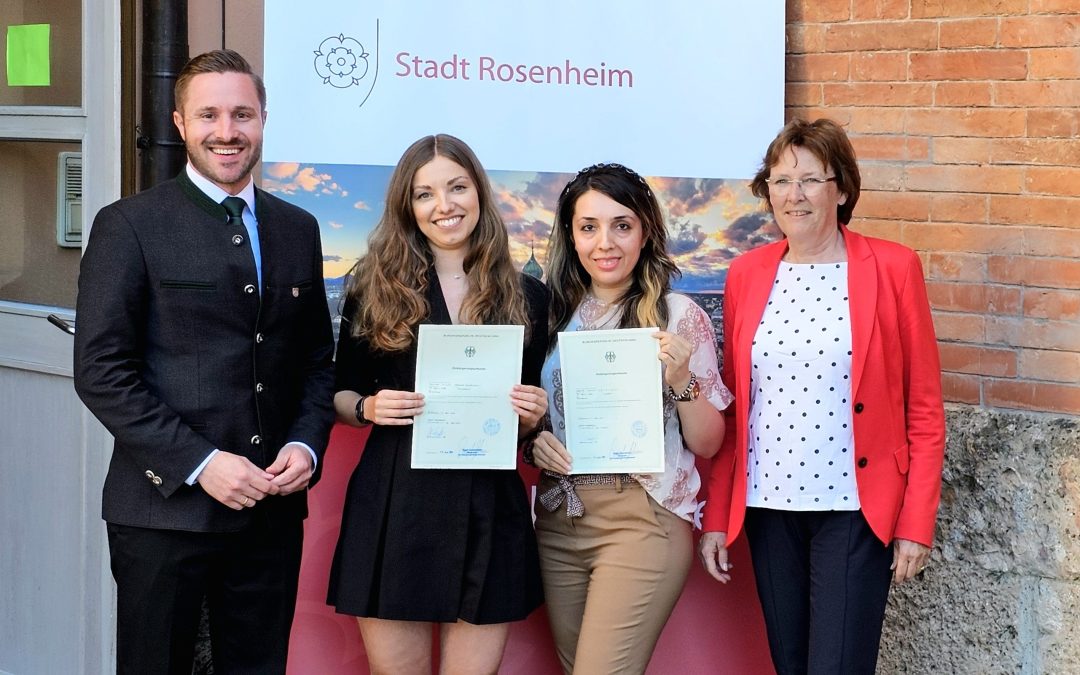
(432, 544)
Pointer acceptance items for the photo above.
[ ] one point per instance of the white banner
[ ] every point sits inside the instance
(680, 88)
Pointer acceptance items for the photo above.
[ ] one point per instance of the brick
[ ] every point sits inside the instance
(987, 179)
(1057, 180)
(879, 9)
(979, 64)
(894, 205)
(981, 122)
(1039, 31)
(879, 66)
(802, 93)
(1054, 123)
(1044, 303)
(811, 11)
(804, 38)
(955, 266)
(1052, 241)
(974, 297)
(948, 150)
(872, 227)
(881, 176)
(841, 116)
(1058, 93)
(959, 327)
(959, 208)
(877, 120)
(959, 388)
(1035, 333)
(1038, 151)
(1054, 63)
(868, 147)
(1054, 6)
(1041, 364)
(966, 33)
(962, 237)
(879, 94)
(1039, 396)
(818, 67)
(963, 94)
(947, 8)
(881, 36)
(1035, 210)
(976, 360)
(1040, 272)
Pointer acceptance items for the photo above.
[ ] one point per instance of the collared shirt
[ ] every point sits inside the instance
(250, 223)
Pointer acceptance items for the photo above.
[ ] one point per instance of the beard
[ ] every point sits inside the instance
(207, 163)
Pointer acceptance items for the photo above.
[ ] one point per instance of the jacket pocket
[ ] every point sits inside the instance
(188, 285)
(902, 458)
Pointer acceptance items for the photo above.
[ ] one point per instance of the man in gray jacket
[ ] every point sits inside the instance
(204, 345)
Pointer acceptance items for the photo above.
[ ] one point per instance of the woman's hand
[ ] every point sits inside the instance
(712, 549)
(390, 407)
(530, 403)
(675, 354)
(909, 558)
(549, 453)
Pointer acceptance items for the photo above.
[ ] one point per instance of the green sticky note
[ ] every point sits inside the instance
(28, 55)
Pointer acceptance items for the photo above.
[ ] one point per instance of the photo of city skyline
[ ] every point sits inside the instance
(710, 221)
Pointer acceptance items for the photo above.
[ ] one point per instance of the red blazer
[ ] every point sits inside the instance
(897, 410)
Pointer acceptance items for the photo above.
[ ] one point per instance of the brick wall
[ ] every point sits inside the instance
(966, 118)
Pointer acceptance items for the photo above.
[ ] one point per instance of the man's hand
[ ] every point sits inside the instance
(292, 470)
(235, 482)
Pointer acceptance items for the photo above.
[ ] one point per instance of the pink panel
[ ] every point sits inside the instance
(714, 629)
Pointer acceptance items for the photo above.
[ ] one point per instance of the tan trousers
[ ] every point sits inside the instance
(611, 577)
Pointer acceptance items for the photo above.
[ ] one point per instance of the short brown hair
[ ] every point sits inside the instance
(217, 61)
(827, 141)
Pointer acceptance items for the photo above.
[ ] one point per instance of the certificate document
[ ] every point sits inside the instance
(613, 400)
(465, 374)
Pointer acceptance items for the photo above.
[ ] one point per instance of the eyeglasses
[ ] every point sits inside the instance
(810, 186)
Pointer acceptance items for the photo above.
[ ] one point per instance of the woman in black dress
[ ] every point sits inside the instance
(420, 547)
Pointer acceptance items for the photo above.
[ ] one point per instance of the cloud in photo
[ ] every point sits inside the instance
(688, 196)
(288, 178)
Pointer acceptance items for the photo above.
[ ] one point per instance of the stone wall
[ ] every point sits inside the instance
(1002, 593)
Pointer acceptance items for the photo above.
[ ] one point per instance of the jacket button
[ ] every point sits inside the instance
(858, 407)
(862, 462)
(256, 439)
(258, 338)
(249, 289)
(237, 239)
(258, 388)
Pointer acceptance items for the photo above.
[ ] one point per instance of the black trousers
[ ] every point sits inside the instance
(249, 579)
(823, 580)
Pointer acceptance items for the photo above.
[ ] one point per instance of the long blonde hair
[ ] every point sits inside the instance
(389, 283)
(644, 302)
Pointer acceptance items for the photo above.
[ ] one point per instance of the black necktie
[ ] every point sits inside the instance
(234, 206)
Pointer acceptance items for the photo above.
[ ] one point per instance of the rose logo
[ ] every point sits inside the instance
(470, 351)
(609, 357)
(341, 61)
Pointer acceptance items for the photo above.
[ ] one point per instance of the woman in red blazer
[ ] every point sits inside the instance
(835, 464)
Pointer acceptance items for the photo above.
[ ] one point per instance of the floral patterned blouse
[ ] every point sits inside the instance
(676, 488)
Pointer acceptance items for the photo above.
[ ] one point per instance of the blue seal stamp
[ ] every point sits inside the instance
(492, 426)
(638, 428)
